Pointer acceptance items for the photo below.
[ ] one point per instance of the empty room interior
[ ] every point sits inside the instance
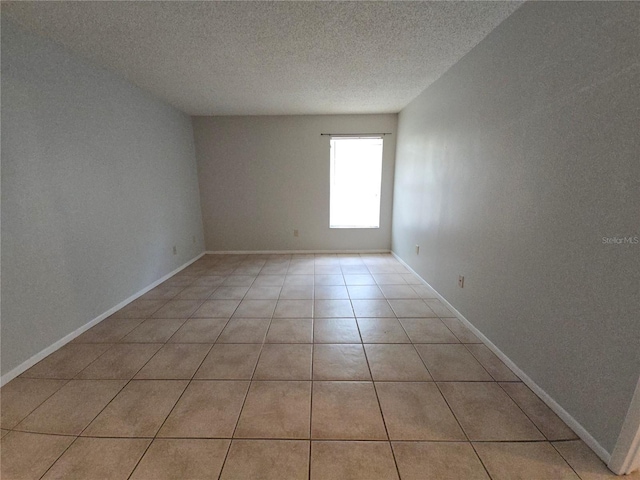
(320, 240)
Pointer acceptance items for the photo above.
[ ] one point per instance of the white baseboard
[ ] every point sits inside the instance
(7, 377)
(544, 396)
(626, 454)
(292, 252)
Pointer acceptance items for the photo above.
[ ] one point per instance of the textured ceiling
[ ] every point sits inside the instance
(270, 58)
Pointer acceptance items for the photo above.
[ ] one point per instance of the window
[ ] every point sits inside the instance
(356, 175)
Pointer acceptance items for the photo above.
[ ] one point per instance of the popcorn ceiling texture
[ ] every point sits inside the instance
(270, 58)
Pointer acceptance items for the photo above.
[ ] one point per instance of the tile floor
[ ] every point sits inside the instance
(283, 367)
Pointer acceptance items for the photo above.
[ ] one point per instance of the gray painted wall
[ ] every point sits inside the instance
(510, 170)
(99, 181)
(263, 177)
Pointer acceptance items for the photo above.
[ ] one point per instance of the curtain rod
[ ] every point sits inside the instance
(354, 134)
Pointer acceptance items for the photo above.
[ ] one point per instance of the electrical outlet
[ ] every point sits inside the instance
(461, 281)
(295, 233)
(175, 250)
(417, 249)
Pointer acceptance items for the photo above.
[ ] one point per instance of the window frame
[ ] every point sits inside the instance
(332, 159)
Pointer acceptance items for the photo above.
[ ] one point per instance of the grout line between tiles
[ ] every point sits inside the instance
(375, 390)
(523, 411)
(244, 400)
(255, 269)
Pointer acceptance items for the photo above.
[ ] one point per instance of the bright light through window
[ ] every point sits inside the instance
(356, 174)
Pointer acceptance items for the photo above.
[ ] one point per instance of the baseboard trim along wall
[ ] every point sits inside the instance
(625, 457)
(7, 377)
(293, 252)
(579, 430)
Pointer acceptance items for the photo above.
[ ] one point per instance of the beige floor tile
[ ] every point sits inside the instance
(335, 330)
(219, 270)
(365, 292)
(294, 309)
(245, 330)
(297, 292)
(284, 362)
(452, 363)
(331, 292)
(377, 268)
(389, 279)
(27, 456)
(356, 270)
(411, 279)
(252, 269)
(180, 281)
(459, 330)
(352, 460)
(290, 330)
(177, 309)
(121, 361)
(154, 330)
(398, 291)
(524, 461)
(298, 279)
(3, 432)
(72, 408)
(140, 309)
(263, 293)
(372, 308)
(486, 412)
(66, 362)
(206, 409)
(417, 411)
(174, 459)
(230, 362)
(332, 309)
(21, 396)
(266, 280)
(110, 330)
(438, 461)
(255, 309)
(427, 330)
(329, 279)
(267, 460)
(273, 270)
(395, 363)
(382, 330)
(199, 330)
(544, 418)
(346, 411)
(586, 463)
(350, 259)
(328, 269)
(438, 307)
(276, 409)
(175, 361)
(340, 362)
(138, 410)
(211, 281)
(239, 280)
(98, 459)
(216, 309)
(166, 292)
(300, 270)
(424, 291)
(496, 368)
(195, 293)
(229, 293)
(412, 308)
